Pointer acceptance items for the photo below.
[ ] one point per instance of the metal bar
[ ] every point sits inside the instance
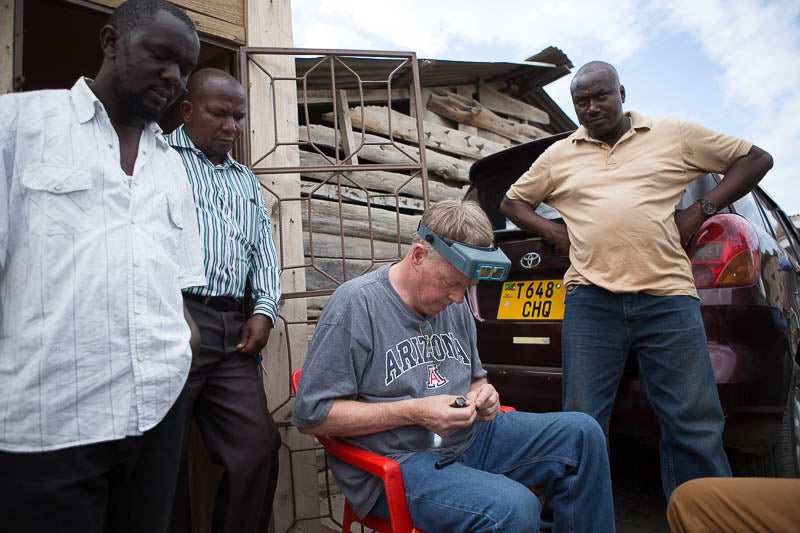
(336, 168)
(420, 132)
(17, 80)
(329, 52)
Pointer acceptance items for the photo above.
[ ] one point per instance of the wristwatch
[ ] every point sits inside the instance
(708, 207)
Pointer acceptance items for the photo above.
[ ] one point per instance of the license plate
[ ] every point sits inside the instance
(541, 299)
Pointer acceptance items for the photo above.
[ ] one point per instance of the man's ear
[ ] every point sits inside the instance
(186, 111)
(419, 254)
(110, 41)
(622, 93)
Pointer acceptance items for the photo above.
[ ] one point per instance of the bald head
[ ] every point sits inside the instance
(213, 112)
(598, 98)
(211, 80)
(595, 66)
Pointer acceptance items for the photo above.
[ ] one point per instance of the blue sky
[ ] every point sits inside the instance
(732, 65)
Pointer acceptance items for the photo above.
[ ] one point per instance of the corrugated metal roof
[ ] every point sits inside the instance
(525, 78)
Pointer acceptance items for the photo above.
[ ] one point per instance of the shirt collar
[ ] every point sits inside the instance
(179, 140)
(87, 106)
(638, 123)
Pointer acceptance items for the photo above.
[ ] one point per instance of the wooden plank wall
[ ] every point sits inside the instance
(219, 18)
(6, 46)
(461, 124)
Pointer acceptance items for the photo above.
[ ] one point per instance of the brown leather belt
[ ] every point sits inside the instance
(217, 303)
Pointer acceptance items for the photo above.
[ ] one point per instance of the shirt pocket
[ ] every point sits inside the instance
(60, 200)
(171, 234)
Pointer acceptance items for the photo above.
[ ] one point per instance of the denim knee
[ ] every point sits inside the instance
(520, 512)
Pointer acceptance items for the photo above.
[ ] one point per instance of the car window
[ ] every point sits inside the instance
(747, 207)
(791, 235)
(779, 231)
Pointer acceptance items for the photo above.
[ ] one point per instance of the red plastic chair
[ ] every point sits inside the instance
(388, 470)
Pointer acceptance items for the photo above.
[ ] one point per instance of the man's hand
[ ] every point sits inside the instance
(559, 236)
(437, 414)
(486, 401)
(255, 334)
(689, 221)
(194, 337)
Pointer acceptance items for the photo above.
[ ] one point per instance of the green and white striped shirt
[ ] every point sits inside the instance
(234, 226)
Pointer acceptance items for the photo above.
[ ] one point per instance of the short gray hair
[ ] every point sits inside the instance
(458, 220)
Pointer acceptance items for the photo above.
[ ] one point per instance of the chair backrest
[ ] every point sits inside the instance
(296, 380)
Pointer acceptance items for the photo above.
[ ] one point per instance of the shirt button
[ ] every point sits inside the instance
(57, 187)
(140, 357)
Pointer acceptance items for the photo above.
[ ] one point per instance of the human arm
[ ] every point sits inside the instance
(194, 338)
(740, 179)
(8, 124)
(485, 398)
(254, 334)
(350, 418)
(524, 216)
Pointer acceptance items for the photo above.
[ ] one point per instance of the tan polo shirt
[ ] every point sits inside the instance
(619, 202)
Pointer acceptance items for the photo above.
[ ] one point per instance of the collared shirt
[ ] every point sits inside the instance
(94, 345)
(234, 226)
(619, 201)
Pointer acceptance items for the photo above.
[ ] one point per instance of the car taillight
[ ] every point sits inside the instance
(724, 253)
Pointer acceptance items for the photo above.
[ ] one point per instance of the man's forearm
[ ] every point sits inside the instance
(741, 177)
(349, 418)
(524, 216)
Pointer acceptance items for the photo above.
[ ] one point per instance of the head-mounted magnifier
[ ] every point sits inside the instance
(476, 262)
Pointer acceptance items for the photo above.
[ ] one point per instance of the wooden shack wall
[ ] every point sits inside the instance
(6, 46)
(461, 124)
(219, 18)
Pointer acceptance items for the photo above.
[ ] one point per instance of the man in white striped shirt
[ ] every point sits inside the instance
(97, 239)
(224, 383)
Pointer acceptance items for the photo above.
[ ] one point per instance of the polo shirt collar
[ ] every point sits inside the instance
(87, 106)
(638, 123)
(180, 141)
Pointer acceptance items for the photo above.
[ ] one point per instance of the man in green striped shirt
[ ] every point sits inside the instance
(224, 385)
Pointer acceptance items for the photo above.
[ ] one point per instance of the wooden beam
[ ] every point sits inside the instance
(448, 167)
(269, 24)
(503, 103)
(356, 220)
(371, 96)
(329, 246)
(331, 191)
(205, 22)
(382, 181)
(472, 112)
(466, 91)
(346, 127)
(404, 127)
(6, 46)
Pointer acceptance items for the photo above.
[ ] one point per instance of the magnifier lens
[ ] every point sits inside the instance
(497, 272)
(484, 272)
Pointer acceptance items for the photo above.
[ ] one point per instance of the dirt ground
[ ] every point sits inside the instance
(639, 503)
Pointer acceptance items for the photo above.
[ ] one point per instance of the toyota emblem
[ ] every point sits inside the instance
(530, 260)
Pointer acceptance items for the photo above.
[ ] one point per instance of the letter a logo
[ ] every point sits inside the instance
(435, 379)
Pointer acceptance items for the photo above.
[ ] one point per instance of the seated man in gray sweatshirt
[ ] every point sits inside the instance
(393, 368)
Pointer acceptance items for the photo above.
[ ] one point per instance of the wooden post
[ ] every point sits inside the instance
(6, 46)
(270, 24)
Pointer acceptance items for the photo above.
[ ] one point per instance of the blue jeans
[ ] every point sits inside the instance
(666, 334)
(486, 489)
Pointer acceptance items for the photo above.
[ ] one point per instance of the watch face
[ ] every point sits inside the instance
(709, 208)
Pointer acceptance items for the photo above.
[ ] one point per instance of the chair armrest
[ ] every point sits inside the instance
(377, 465)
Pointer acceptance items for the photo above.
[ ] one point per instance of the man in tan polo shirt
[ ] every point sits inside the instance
(616, 182)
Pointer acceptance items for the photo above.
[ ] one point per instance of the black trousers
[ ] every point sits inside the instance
(124, 485)
(230, 408)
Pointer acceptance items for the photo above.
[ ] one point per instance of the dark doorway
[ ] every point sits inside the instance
(60, 42)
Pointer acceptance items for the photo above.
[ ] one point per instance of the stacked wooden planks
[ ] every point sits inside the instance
(356, 220)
